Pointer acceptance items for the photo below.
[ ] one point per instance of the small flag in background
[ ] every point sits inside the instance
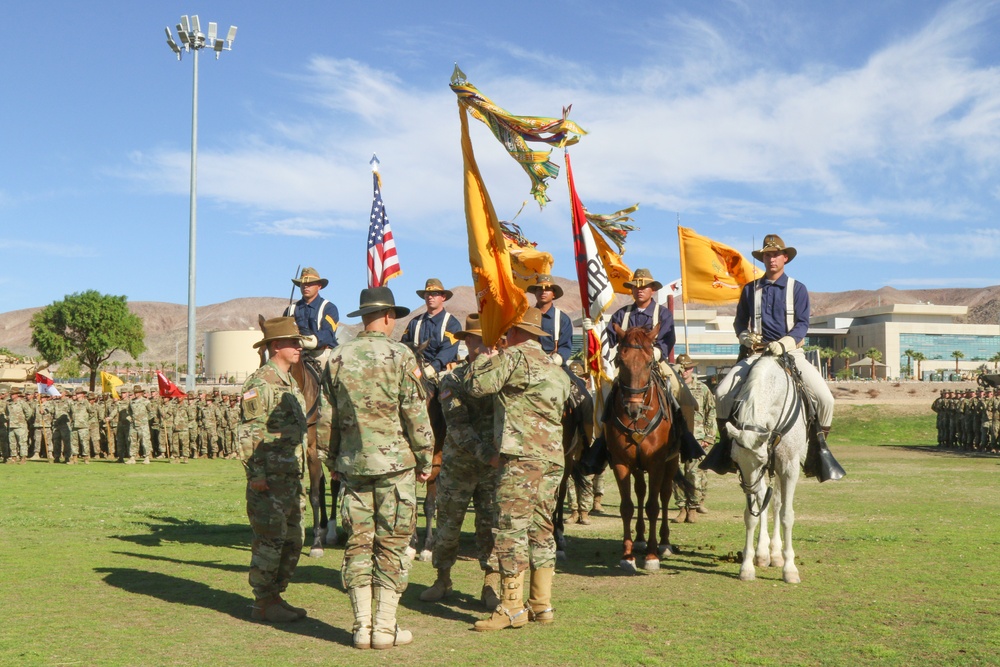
(167, 388)
(383, 263)
(109, 382)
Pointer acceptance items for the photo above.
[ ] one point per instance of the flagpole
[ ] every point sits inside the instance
(684, 301)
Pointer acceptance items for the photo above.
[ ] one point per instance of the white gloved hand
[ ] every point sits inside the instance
(556, 357)
(309, 342)
(750, 339)
(429, 372)
(782, 345)
(657, 353)
(587, 324)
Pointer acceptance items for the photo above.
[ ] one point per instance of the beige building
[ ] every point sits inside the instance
(230, 355)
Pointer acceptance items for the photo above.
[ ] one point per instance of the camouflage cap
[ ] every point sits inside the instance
(773, 243)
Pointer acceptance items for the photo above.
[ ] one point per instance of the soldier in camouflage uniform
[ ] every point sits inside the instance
(41, 426)
(191, 406)
(94, 425)
(692, 504)
(938, 407)
(79, 422)
(181, 439)
(531, 392)
(272, 446)
(61, 428)
(466, 474)
(17, 414)
(4, 400)
(137, 416)
(209, 426)
(380, 433)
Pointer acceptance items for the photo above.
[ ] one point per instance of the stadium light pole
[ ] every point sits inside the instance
(194, 40)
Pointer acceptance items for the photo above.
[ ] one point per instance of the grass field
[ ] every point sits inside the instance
(147, 565)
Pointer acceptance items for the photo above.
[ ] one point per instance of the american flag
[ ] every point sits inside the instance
(383, 263)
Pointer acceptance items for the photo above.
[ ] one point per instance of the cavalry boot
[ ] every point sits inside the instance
(490, 595)
(720, 458)
(540, 598)
(819, 459)
(269, 609)
(440, 588)
(681, 515)
(361, 603)
(298, 611)
(584, 519)
(692, 515)
(598, 508)
(386, 633)
(511, 612)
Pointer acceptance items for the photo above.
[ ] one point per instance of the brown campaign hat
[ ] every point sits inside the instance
(138, 389)
(79, 391)
(773, 243)
(310, 275)
(434, 285)
(374, 299)
(473, 327)
(643, 278)
(543, 280)
(685, 361)
(531, 322)
(277, 328)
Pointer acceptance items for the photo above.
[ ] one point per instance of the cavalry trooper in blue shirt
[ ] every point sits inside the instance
(558, 326)
(316, 317)
(436, 327)
(773, 316)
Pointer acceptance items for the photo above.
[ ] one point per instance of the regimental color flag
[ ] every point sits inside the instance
(167, 388)
(46, 385)
(109, 382)
(596, 289)
(712, 272)
(383, 262)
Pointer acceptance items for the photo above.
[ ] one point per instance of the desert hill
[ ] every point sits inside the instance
(166, 323)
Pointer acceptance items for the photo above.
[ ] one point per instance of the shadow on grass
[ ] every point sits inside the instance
(196, 594)
(305, 573)
(935, 450)
(188, 531)
(599, 557)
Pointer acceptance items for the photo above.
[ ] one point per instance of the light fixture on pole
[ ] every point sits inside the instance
(194, 40)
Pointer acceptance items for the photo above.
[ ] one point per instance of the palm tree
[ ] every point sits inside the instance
(847, 354)
(918, 357)
(958, 354)
(995, 360)
(876, 356)
(909, 355)
(828, 353)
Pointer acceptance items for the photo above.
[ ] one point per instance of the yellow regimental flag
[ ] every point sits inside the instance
(712, 272)
(618, 272)
(109, 382)
(501, 302)
(526, 263)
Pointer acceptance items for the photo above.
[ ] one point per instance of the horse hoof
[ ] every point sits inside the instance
(777, 561)
(762, 561)
(791, 578)
(652, 564)
(561, 556)
(315, 552)
(665, 550)
(747, 575)
(638, 546)
(411, 553)
(426, 556)
(628, 566)
(331, 537)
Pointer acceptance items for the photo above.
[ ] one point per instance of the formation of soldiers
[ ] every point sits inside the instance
(79, 426)
(968, 419)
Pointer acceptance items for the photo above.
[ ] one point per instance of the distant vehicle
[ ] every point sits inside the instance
(19, 370)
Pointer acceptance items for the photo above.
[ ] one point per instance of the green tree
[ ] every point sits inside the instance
(958, 354)
(846, 354)
(89, 326)
(876, 356)
(828, 353)
(909, 356)
(995, 360)
(918, 357)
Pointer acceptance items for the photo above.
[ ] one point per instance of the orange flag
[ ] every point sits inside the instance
(712, 272)
(501, 302)
(618, 271)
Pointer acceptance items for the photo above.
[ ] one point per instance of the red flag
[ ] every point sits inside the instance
(383, 262)
(44, 379)
(167, 388)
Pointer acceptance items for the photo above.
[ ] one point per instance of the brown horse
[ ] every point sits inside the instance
(638, 433)
(578, 433)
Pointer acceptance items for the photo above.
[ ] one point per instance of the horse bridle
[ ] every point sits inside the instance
(637, 435)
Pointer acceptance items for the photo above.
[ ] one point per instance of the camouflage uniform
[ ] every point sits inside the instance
(705, 431)
(94, 425)
(380, 433)
(181, 439)
(42, 427)
(531, 391)
(165, 411)
(191, 407)
(938, 406)
(4, 442)
(209, 445)
(139, 441)
(272, 444)
(61, 431)
(17, 413)
(466, 473)
(79, 420)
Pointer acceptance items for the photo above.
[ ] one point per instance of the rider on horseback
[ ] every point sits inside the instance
(316, 318)
(773, 317)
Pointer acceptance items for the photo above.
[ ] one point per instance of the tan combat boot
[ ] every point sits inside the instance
(574, 516)
(440, 588)
(681, 516)
(385, 631)
(540, 597)
(692, 515)
(490, 595)
(72, 460)
(269, 609)
(361, 603)
(584, 519)
(298, 611)
(598, 507)
(701, 509)
(130, 461)
(145, 461)
(511, 613)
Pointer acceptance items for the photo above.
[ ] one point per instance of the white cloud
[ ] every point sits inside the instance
(47, 249)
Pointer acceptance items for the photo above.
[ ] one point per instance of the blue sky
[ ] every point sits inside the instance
(865, 134)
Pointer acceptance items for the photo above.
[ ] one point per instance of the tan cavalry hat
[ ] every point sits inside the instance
(473, 327)
(773, 243)
(277, 328)
(685, 361)
(542, 281)
(138, 389)
(374, 299)
(643, 278)
(434, 285)
(310, 275)
(577, 368)
(79, 391)
(531, 322)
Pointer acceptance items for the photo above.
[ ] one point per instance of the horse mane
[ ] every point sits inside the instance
(757, 397)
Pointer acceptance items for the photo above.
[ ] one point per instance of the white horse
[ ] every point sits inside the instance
(768, 429)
